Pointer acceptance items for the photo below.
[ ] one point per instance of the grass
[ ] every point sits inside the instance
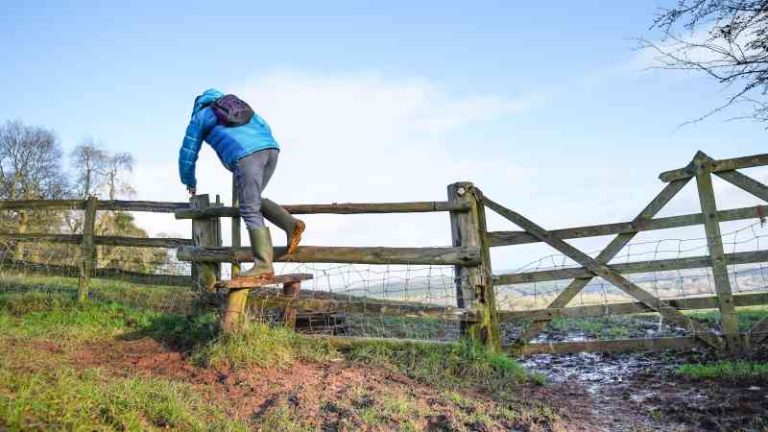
(41, 389)
(63, 398)
(726, 370)
(265, 346)
(641, 325)
(747, 316)
(55, 315)
(158, 298)
(447, 365)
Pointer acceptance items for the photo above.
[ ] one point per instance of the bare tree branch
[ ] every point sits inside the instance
(726, 40)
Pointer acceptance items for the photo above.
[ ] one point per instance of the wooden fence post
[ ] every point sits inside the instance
(474, 287)
(205, 233)
(236, 240)
(87, 248)
(728, 318)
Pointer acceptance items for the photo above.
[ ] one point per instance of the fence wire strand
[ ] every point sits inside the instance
(668, 284)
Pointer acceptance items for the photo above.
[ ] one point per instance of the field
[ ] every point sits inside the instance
(131, 359)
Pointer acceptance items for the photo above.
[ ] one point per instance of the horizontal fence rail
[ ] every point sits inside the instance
(631, 268)
(715, 167)
(591, 311)
(160, 242)
(464, 256)
(115, 205)
(103, 273)
(509, 238)
(308, 300)
(347, 208)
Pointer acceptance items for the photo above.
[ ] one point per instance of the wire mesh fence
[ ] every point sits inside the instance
(694, 283)
(395, 301)
(164, 284)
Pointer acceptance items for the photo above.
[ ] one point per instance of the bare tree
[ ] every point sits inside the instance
(90, 163)
(30, 168)
(119, 168)
(30, 163)
(726, 40)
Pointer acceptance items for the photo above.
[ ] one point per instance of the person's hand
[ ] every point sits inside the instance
(192, 190)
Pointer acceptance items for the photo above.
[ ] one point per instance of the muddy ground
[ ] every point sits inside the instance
(588, 392)
(642, 391)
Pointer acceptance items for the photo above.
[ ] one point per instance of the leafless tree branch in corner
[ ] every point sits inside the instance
(726, 40)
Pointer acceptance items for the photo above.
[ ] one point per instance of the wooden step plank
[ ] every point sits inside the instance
(275, 280)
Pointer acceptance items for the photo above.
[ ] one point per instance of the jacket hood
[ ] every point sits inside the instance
(207, 98)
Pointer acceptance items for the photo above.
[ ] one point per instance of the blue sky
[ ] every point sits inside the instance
(545, 105)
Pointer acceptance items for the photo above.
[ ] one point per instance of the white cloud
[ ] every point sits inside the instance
(356, 138)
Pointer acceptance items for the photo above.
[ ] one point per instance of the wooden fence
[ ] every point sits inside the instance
(469, 253)
(702, 167)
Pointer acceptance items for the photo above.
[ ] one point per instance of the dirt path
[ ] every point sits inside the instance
(585, 392)
(341, 395)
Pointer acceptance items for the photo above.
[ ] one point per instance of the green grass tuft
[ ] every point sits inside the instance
(727, 370)
(61, 398)
(451, 365)
(56, 316)
(263, 345)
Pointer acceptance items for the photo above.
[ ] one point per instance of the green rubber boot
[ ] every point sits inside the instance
(261, 245)
(293, 227)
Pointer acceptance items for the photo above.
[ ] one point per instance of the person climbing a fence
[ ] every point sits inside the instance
(244, 144)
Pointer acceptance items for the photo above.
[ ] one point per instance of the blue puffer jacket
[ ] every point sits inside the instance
(230, 143)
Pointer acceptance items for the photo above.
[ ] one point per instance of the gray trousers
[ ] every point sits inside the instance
(253, 173)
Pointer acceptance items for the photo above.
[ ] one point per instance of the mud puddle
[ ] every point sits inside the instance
(595, 370)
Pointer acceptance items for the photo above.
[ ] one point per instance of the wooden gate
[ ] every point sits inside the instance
(702, 167)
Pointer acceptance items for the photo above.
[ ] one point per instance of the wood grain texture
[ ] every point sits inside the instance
(464, 256)
(335, 208)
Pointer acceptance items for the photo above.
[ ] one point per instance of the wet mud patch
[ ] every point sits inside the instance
(643, 391)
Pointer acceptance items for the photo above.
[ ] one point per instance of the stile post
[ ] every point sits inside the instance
(728, 317)
(205, 233)
(290, 290)
(87, 248)
(474, 288)
(236, 240)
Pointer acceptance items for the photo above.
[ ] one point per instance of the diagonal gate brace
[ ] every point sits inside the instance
(609, 274)
(607, 254)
